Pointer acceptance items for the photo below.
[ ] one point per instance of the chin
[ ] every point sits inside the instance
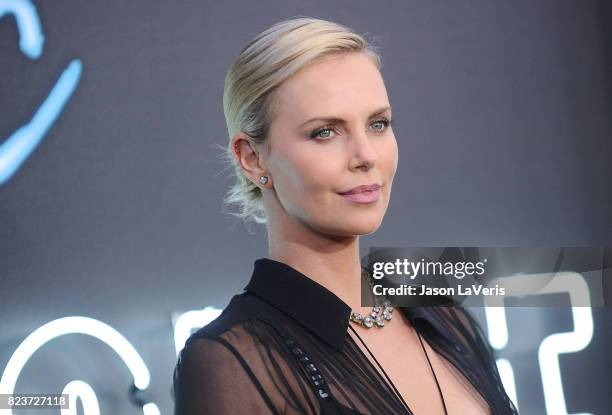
(354, 226)
(366, 230)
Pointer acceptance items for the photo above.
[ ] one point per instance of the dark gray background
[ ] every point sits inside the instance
(502, 116)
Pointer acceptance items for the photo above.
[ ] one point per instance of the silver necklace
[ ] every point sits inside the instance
(379, 313)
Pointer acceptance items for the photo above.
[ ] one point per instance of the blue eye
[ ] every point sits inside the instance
(383, 121)
(316, 133)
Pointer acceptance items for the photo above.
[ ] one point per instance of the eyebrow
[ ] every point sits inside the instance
(337, 120)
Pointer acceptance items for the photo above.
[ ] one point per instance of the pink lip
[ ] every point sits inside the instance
(363, 194)
(362, 188)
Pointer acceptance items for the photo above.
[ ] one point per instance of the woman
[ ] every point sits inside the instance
(314, 153)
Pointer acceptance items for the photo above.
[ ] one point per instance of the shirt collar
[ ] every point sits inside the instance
(311, 304)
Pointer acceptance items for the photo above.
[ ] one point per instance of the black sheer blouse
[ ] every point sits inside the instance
(285, 346)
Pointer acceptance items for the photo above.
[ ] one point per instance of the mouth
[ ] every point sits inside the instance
(362, 189)
(363, 194)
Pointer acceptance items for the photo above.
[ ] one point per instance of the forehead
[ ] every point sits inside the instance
(332, 86)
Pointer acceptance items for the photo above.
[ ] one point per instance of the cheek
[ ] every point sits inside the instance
(314, 177)
(391, 157)
(305, 179)
(387, 164)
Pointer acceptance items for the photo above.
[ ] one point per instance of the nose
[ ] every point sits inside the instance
(363, 153)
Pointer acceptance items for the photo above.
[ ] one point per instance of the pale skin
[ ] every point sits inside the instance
(316, 231)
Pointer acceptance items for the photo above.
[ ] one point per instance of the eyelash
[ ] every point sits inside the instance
(386, 122)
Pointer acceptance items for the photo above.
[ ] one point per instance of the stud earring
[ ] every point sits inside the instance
(263, 179)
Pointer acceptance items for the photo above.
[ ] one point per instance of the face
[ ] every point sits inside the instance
(311, 162)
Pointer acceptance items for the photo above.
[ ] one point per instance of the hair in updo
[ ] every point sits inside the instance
(265, 63)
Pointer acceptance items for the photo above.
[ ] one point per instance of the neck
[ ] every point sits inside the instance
(332, 262)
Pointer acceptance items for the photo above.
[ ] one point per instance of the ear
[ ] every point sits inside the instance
(249, 159)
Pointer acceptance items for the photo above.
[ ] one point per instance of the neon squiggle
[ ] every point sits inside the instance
(552, 346)
(18, 147)
(77, 325)
(84, 392)
(31, 38)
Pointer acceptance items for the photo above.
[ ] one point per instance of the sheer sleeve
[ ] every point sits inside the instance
(211, 377)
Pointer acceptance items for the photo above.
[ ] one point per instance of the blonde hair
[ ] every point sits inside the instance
(265, 63)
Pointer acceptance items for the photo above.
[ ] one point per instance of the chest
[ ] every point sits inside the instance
(398, 350)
